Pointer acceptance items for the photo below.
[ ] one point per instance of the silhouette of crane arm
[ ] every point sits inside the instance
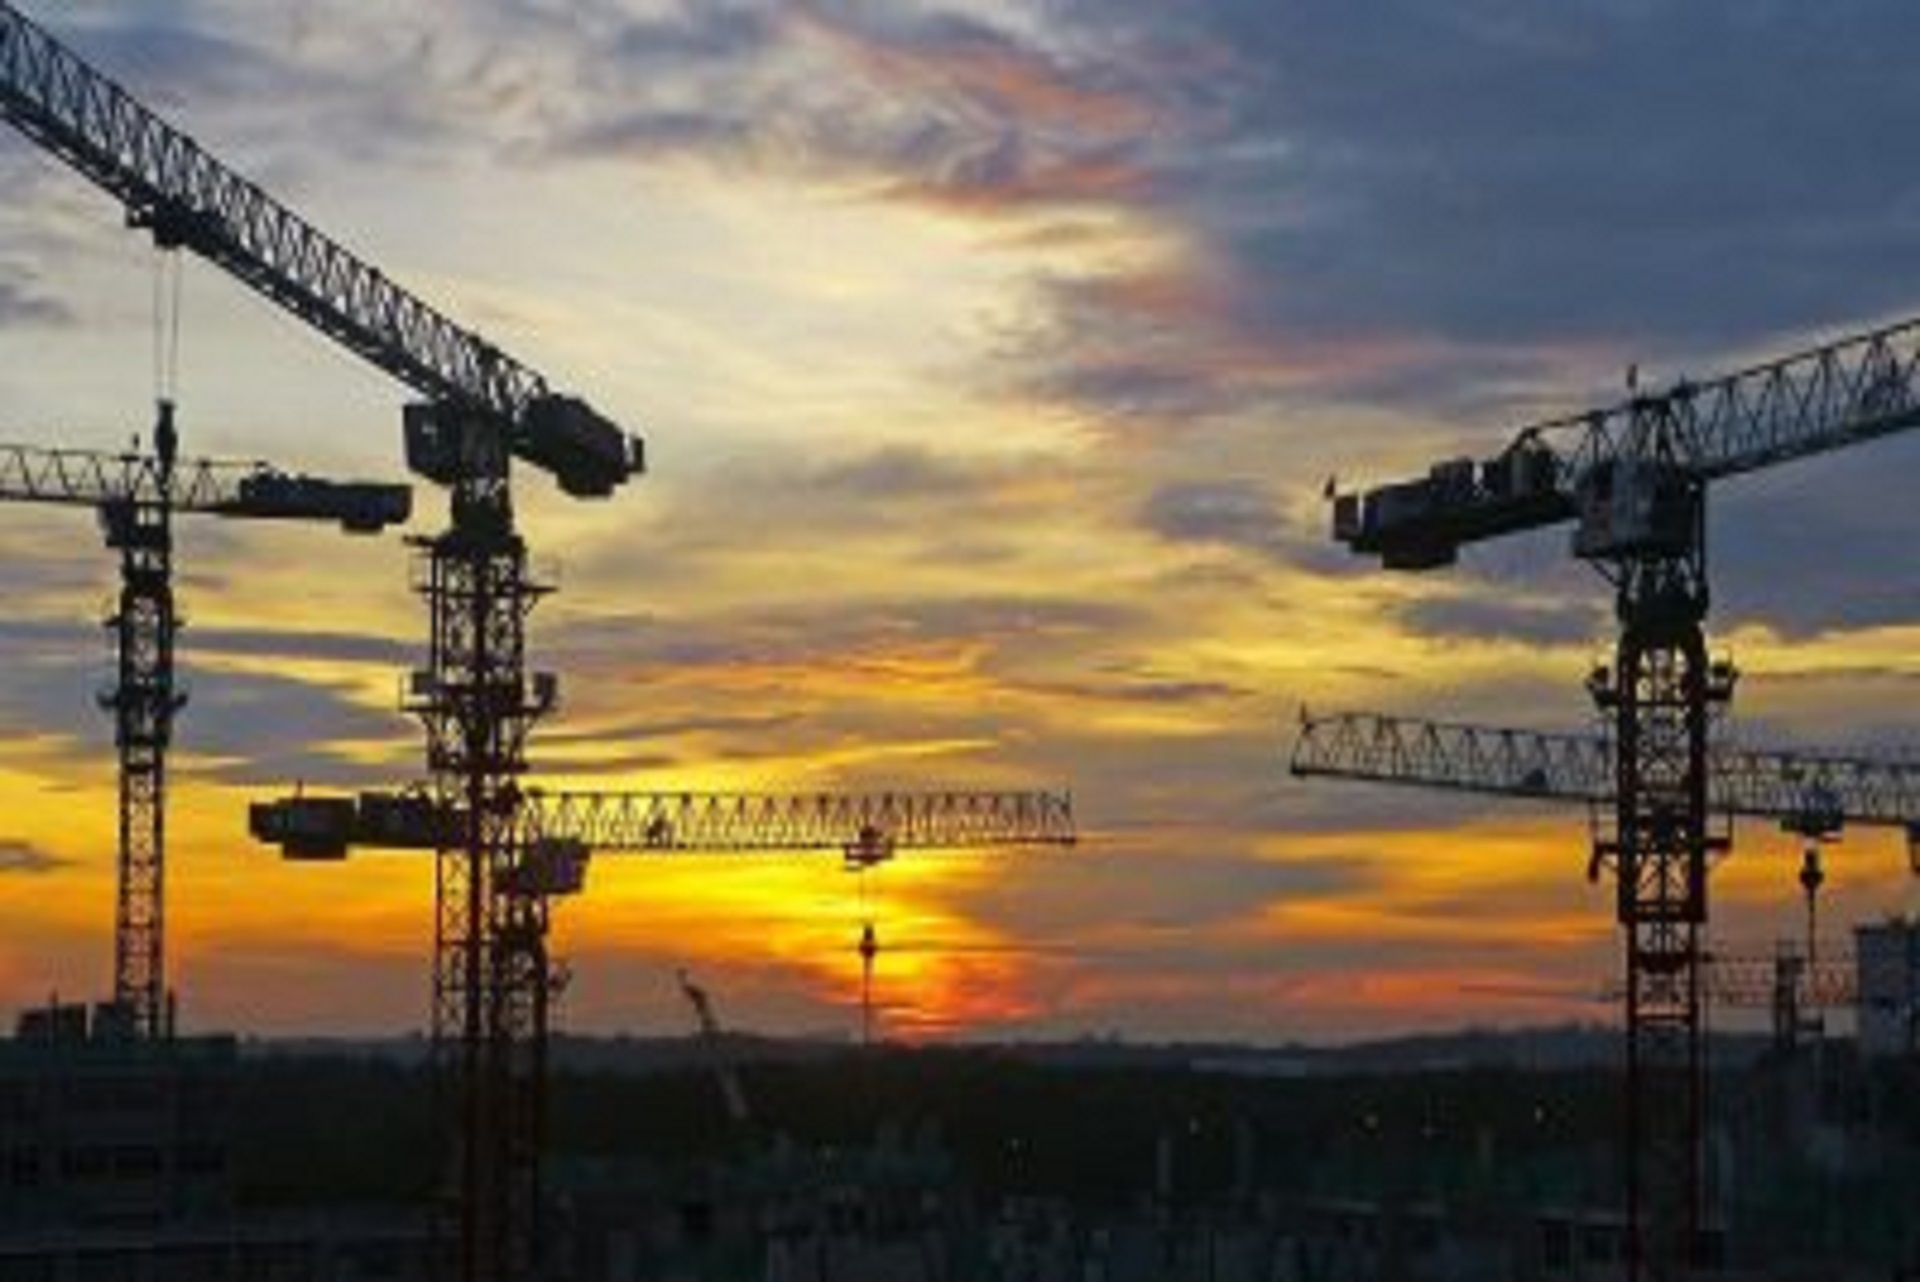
(187, 198)
(1808, 403)
(1814, 793)
(99, 478)
(865, 827)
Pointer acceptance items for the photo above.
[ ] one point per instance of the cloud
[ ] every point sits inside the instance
(1358, 219)
(1402, 197)
(1820, 547)
(253, 729)
(22, 304)
(342, 647)
(25, 859)
(1483, 618)
(931, 108)
(1224, 249)
(1238, 514)
(239, 727)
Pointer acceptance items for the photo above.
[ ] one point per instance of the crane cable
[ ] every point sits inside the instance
(167, 289)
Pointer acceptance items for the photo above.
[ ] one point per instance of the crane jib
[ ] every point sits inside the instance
(321, 827)
(186, 198)
(99, 478)
(1802, 790)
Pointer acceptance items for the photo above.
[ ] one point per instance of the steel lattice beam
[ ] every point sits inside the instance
(669, 823)
(172, 186)
(98, 478)
(1789, 787)
(748, 823)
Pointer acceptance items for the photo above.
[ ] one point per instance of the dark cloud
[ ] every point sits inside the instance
(902, 472)
(1457, 208)
(256, 729)
(668, 727)
(1241, 515)
(710, 33)
(1236, 513)
(1484, 618)
(625, 747)
(1520, 176)
(257, 91)
(1136, 688)
(826, 630)
(344, 647)
(23, 304)
(236, 727)
(173, 59)
(1819, 547)
(23, 858)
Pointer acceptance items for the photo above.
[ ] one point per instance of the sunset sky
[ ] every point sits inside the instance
(991, 359)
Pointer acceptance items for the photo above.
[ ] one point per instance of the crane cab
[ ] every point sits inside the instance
(549, 867)
(1628, 508)
(872, 847)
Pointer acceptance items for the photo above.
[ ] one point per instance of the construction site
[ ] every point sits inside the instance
(920, 880)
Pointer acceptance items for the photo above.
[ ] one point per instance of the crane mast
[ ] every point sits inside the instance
(475, 698)
(136, 496)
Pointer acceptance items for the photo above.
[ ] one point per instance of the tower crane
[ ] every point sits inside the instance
(1632, 478)
(136, 496)
(475, 698)
(1815, 795)
(558, 832)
